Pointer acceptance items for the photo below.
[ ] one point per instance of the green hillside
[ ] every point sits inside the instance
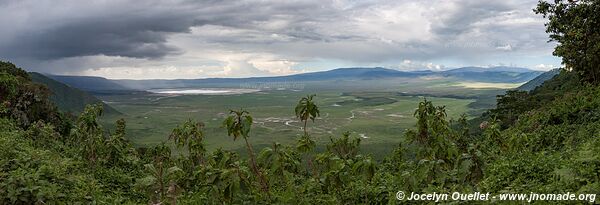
(539, 80)
(90, 83)
(67, 98)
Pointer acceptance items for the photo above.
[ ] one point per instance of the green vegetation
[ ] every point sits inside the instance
(150, 118)
(574, 25)
(543, 141)
(27, 102)
(548, 148)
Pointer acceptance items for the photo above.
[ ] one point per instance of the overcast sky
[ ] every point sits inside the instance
(220, 38)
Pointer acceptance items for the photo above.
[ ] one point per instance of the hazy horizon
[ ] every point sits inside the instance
(282, 75)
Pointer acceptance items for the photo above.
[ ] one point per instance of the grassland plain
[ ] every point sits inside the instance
(379, 118)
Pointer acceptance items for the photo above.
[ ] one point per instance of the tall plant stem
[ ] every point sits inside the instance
(263, 181)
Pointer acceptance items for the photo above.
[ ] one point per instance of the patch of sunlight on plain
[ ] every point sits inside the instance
(481, 85)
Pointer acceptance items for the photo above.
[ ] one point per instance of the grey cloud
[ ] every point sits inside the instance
(128, 29)
(468, 12)
(44, 31)
(118, 32)
(457, 32)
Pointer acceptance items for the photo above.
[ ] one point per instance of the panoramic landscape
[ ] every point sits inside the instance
(299, 102)
(375, 104)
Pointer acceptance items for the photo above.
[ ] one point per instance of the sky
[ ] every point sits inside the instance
(177, 39)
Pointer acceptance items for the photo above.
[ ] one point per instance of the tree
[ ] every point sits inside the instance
(574, 25)
(238, 124)
(344, 147)
(225, 176)
(436, 151)
(190, 135)
(280, 161)
(307, 109)
(161, 181)
(25, 101)
(423, 112)
(510, 105)
(88, 133)
(13, 70)
(117, 147)
(8, 87)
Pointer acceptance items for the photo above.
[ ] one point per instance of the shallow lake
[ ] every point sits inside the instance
(202, 91)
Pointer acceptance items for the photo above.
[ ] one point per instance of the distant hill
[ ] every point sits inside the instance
(360, 73)
(335, 74)
(67, 98)
(539, 80)
(499, 74)
(89, 83)
(490, 69)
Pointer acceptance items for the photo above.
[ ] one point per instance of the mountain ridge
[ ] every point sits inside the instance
(88, 83)
(500, 74)
(68, 98)
(539, 80)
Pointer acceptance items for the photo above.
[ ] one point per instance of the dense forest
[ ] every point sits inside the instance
(543, 141)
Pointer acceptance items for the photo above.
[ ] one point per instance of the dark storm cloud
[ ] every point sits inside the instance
(120, 29)
(139, 38)
(138, 30)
